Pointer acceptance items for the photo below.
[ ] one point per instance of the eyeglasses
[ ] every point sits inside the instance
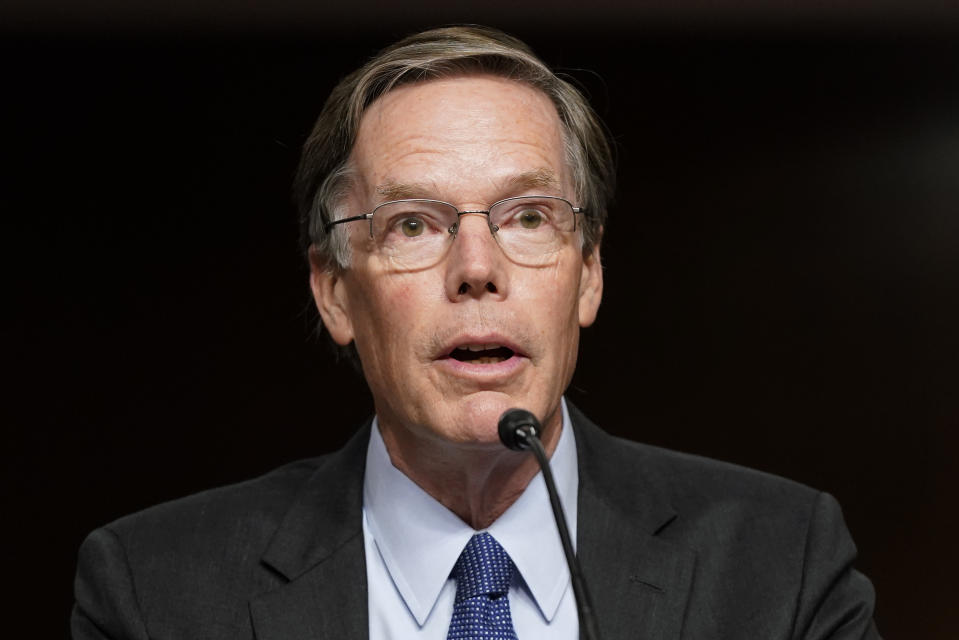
(416, 233)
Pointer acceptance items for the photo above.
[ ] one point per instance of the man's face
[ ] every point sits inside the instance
(470, 141)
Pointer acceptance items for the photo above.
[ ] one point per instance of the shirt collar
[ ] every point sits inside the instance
(419, 551)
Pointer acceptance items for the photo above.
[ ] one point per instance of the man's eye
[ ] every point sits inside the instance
(530, 218)
(412, 227)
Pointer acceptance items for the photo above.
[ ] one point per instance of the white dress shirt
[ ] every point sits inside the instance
(412, 543)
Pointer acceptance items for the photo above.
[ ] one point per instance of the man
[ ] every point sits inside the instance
(453, 194)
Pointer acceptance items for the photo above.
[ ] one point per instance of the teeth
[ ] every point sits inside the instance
(481, 353)
(479, 347)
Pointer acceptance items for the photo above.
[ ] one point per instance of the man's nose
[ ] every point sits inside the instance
(475, 265)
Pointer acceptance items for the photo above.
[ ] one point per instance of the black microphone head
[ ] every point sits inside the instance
(515, 425)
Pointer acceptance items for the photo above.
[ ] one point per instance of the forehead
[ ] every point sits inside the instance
(474, 133)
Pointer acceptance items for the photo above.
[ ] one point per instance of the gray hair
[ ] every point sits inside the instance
(324, 174)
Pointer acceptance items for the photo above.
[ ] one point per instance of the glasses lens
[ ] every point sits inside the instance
(412, 233)
(533, 229)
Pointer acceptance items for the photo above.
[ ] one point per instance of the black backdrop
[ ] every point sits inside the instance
(782, 269)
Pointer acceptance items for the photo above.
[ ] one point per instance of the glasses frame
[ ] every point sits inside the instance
(453, 229)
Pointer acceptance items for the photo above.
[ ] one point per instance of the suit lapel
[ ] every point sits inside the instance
(639, 582)
(319, 548)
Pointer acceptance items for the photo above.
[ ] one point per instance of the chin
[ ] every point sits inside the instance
(476, 418)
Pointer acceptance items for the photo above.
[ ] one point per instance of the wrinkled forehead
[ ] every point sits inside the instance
(426, 138)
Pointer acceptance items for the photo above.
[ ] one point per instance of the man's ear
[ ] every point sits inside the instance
(591, 285)
(329, 293)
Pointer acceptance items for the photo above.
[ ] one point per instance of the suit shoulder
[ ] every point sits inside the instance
(682, 479)
(254, 505)
(188, 567)
(757, 538)
(689, 475)
(663, 481)
(687, 471)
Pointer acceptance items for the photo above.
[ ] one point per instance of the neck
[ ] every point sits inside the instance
(476, 481)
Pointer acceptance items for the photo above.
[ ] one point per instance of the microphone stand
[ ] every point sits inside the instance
(519, 430)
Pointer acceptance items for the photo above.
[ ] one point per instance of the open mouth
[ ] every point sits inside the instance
(482, 353)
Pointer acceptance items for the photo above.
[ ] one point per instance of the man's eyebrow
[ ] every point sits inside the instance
(542, 178)
(403, 190)
(535, 179)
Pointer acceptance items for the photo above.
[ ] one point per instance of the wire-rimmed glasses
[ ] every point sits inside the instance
(416, 233)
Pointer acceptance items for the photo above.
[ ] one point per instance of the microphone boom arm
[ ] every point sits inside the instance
(519, 429)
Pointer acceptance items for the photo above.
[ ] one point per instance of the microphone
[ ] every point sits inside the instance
(515, 428)
(519, 430)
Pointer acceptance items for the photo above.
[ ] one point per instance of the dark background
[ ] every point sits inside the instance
(782, 261)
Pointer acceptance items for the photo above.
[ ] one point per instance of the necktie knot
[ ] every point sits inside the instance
(481, 609)
(483, 568)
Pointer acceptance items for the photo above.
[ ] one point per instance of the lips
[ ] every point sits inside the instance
(485, 350)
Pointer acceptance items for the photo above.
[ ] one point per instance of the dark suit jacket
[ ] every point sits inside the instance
(672, 545)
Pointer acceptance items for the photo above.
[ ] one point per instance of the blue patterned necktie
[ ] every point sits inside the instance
(481, 609)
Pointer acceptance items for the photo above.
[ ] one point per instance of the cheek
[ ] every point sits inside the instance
(564, 285)
(553, 294)
(388, 314)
